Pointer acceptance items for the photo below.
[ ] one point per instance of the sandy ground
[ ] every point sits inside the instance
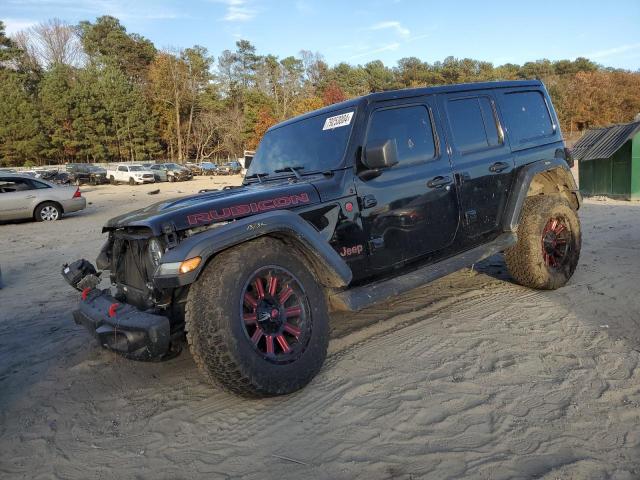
(471, 376)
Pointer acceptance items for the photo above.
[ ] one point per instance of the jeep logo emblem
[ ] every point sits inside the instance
(351, 251)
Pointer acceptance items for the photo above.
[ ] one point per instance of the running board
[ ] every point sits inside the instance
(357, 298)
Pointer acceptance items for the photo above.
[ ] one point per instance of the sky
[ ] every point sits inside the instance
(359, 31)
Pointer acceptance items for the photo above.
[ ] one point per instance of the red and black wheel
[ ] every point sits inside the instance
(556, 240)
(275, 314)
(549, 242)
(257, 321)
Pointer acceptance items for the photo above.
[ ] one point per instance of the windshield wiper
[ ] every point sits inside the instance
(294, 170)
(258, 176)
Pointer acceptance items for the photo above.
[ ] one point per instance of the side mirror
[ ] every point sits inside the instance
(381, 154)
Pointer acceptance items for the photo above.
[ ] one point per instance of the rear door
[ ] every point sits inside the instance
(482, 160)
(410, 209)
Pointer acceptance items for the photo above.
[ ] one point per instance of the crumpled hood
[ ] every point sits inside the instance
(218, 206)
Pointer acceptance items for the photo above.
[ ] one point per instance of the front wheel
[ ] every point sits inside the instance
(132, 182)
(549, 241)
(257, 321)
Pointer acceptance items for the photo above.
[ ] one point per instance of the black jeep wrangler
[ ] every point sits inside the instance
(341, 208)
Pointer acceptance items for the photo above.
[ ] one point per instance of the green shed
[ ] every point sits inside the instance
(609, 161)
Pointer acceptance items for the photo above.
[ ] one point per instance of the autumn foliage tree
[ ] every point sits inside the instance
(265, 121)
(333, 94)
(94, 92)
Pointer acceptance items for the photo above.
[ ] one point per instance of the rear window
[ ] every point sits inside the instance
(526, 116)
(473, 124)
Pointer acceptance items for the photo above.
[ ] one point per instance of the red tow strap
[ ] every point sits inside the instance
(85, 293)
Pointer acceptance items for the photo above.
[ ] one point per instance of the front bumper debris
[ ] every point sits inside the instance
(123, 328)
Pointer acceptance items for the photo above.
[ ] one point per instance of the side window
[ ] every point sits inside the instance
(473, 123)
(122, 168)
(9, 185)
(410, 127)
(38, 185)
(526, 116)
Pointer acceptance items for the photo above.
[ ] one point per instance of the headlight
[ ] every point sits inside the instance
(155, 251)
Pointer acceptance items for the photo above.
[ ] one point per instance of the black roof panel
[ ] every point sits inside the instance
(411, 92)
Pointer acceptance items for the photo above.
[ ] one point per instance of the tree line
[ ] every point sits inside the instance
(93, 92)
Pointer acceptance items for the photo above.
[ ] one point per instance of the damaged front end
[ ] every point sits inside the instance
(134, 317)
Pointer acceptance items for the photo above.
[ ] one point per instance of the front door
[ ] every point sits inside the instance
(410, 209)
(17, 196)
(482, 160)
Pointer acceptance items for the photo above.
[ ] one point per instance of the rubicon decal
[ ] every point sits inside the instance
(247, 209)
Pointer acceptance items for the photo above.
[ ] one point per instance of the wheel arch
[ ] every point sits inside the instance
(545, 177)
(39, 204)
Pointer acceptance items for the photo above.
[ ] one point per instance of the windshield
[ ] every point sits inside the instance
(173, 166)
(135, 168)
(317, 143)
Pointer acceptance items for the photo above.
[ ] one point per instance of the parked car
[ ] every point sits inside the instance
(7, 170)
(193, 168)
(171, 172)
(55, 176)
(80, 173)
(22, 196)
(131, 174)
(230, 168)
(341, 208)
(208, 168)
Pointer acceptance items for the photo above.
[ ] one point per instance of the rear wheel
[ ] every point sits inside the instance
(257, 321)
(48, 212)
(549, 241)
(112, 180)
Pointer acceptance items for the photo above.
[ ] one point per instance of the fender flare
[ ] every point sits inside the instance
(521, 185)
(286, 225)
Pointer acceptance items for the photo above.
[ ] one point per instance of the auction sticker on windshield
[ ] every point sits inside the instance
(337, 121)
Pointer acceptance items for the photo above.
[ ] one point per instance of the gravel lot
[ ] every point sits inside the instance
(470, 376)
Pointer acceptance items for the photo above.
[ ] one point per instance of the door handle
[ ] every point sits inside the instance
(439, 181)
(30, 196)
(498, 167)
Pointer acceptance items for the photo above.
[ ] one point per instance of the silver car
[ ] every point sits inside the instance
(22, 196)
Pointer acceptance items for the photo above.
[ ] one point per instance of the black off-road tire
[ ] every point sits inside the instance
(216, 331)
(112, 180)
(527, 261)
(132, 182)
